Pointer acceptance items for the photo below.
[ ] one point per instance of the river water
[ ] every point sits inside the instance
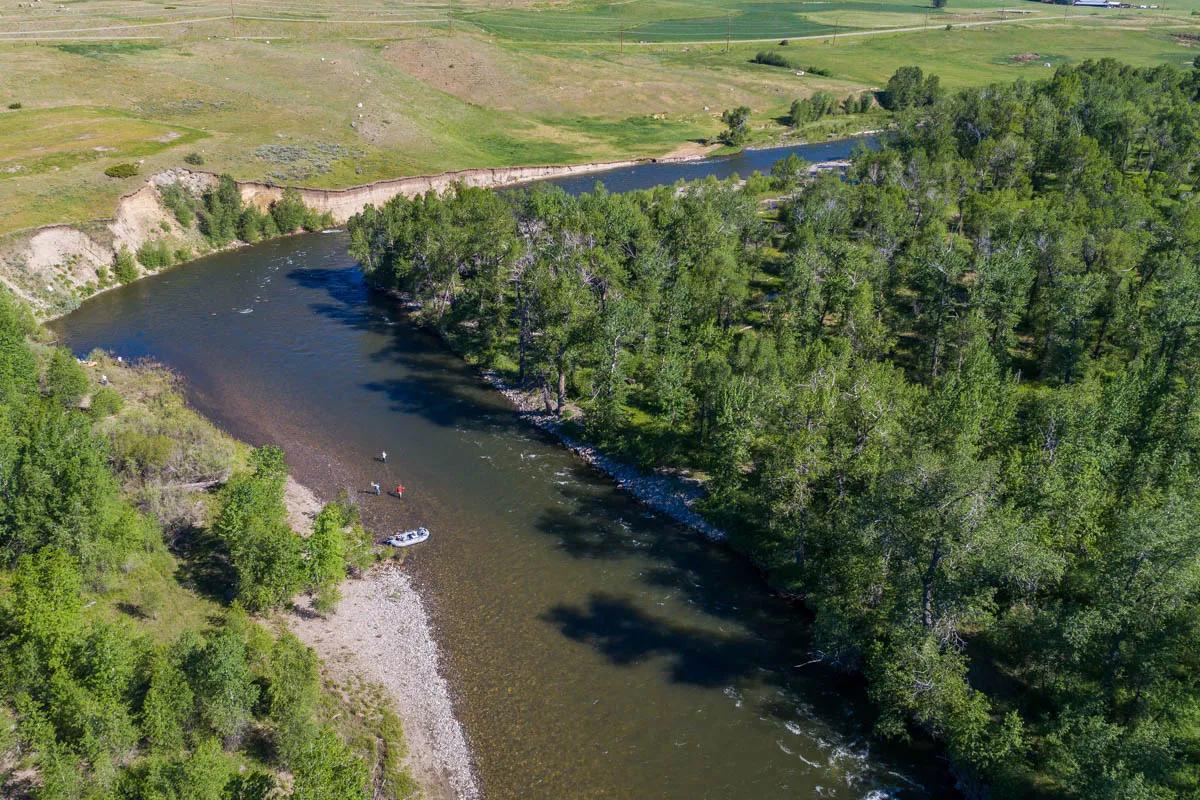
(595, 649)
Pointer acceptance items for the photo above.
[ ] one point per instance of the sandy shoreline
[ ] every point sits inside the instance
(381, 632)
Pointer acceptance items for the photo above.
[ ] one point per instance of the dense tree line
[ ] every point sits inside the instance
(224, 217)
(91, 705)
(824, 104)
(950, 401)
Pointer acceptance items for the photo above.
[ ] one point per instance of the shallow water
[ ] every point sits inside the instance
(596, 650)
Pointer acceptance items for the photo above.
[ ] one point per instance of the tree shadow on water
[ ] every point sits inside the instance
(431, 382)
(743, 630)
(346, 287)
(626, 635)
(438, 400)
(740, 637)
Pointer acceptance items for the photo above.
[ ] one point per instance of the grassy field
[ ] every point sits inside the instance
(340, 93)
(61, 138)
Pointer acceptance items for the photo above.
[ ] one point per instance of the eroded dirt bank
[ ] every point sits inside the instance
(55, 267)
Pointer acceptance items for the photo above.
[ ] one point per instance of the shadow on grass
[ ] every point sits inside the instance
(132, 610)
(204, 565)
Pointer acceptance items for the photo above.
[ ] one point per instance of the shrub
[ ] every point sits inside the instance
(786, 173)
(14, 106)
(771, 59)
(821, 104)
(154, 254)
(315, 222)
(182, 254)
(909, 87)
(222, 212)
(266, 556)
(121, 171)
(819, 71)
(255, 225)
(757, 184)
(124, 267)
(736, 128)
(66, 381)
(141, 454)
(180, 201)
(105, 402)
(195, 159)
(289, 211)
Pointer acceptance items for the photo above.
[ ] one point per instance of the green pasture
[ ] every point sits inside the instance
(515, 84)
(34, 141)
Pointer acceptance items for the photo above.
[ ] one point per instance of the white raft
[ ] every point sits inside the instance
(408, 538)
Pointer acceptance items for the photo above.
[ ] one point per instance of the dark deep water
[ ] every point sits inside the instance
(596, 650)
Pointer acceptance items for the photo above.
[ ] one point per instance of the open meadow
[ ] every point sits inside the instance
(332, 94)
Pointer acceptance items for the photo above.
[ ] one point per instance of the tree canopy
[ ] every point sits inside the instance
(92, 704)
(949, 401)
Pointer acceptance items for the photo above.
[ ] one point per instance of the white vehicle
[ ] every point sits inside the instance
(408, 538)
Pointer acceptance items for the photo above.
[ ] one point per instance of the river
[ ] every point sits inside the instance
(595, 650)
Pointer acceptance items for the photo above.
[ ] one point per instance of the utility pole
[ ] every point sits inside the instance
(622, 35)
(232, 16)
(728, 26)
(450, 18)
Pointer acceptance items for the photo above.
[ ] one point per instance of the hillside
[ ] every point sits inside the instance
(343, 94)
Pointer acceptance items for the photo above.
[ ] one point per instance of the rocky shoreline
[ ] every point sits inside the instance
(381, 632)
(667, 494)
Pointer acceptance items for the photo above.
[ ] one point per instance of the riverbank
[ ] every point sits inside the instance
(667, 494)
(382, 632)
(409, 674)
(53, 268)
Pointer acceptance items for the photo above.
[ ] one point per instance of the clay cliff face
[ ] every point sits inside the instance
(55, 267)
(345, 203)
